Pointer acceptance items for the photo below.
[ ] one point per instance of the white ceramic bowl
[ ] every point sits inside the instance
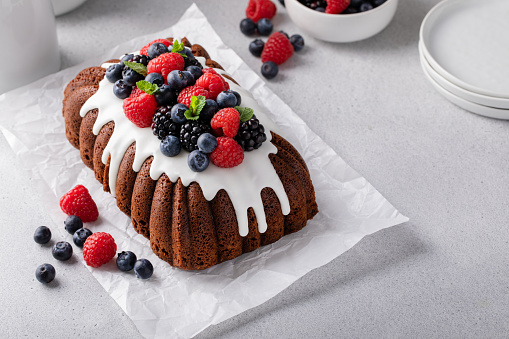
(65, 6)
(341, 27)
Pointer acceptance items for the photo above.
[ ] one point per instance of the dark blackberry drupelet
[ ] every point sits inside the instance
(190, 132)
(140, 59)
(251, 135)
(192, 62)
(163, 125)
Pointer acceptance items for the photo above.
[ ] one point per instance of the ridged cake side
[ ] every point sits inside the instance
(185, 229)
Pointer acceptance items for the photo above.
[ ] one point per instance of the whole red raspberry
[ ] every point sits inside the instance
(214, 83)
(144, 50)
(277, 49)
(165, 63)
(140, 108)
(79, 202)
(208, 70)
(259, 9)
(336, 6)
(227, 153)
(186, 94)
(226, 122)
(99, 248)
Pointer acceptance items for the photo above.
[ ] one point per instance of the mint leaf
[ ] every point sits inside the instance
(147, 87)
(138, 68)
(246, 113)
(196, 106)
(178, 47)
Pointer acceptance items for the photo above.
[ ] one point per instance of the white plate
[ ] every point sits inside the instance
(459, 91)
(467, 42)
(470, 106)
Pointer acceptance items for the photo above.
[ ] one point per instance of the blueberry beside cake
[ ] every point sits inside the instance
(188, 154)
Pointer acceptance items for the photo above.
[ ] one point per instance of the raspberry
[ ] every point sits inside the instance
(277, 49)
(214, 83)
(139, 108)
(226, 122)
(186, 94)
(144, 50)
(227, 153)
(99, 248)
(78, 202)
(209, 70)
(165, 63)
(336, 6)
(259, 9)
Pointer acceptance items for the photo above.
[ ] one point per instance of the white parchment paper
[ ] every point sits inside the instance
(175, 303)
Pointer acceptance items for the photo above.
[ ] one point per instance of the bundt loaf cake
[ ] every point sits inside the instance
(189, 155)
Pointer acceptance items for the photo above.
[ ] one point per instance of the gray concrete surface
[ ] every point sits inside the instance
(444, 274)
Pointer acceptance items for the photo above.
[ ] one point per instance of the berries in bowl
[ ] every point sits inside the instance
(342, 20)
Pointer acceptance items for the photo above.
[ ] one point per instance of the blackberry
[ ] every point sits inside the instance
(140, 59)
(190, 132)
(163, 125)
(251, 135)
(192, 62)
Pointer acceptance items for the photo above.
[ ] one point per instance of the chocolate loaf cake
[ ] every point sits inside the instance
(194, 220)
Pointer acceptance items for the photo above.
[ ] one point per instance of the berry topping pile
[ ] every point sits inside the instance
(279, 46)
(342, 6)
(166, 88)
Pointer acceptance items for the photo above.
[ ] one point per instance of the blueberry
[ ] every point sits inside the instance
(80, 236)
(269, 69)
(62, 250)
(211, 107)
(189, 78)
(42, 235)
(188, 53)
(365, 6)
(284, 33)
(114, 72)
(126, 260)
(177, 113)
(207, 143)
(264, 26)
(256, 47)
(247, 26)
(156, 49)
(45, 273)
(143, 269)
(320, 9)
(226, 99)
(197, 161)
(177, 80)
(126, 57)
(121, 89)
(170, 146)
(195, 71)
(355, 3)
(165, 96)
(297, 42)
(377, 3)
(72, 224)
(155, 78)
(239, 98)
(131, 77)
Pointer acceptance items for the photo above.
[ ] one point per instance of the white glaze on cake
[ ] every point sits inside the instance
(243, 183)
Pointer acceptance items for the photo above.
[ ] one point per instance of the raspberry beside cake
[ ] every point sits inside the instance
(195, 214)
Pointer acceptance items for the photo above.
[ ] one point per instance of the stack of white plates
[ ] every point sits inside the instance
(464, 52)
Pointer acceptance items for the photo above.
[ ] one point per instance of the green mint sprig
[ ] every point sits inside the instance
(147, 87)
(138, 68)
(246, 113)
(178, 47)
(196, 106)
